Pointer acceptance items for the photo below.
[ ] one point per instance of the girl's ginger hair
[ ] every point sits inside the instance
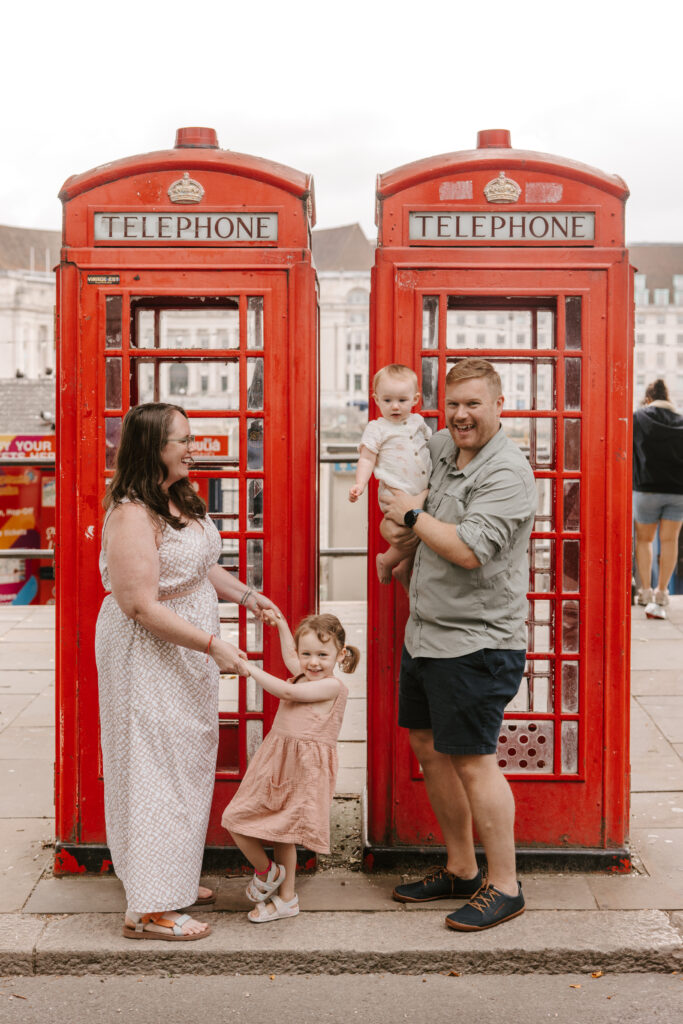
(328, 627)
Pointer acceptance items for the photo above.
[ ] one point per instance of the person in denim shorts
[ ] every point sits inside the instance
(657, 493)
(465, 640)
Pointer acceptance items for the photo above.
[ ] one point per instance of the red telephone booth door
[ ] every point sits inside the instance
(215, 343)
(536, 327)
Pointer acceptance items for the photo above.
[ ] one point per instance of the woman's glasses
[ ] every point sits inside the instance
(187, 441)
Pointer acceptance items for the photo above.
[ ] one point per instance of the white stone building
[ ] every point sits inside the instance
(659, 318)
(27, 301)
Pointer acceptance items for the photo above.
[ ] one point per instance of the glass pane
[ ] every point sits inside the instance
(570, 626)
(112, 384)
(520, 702)
(112, 439)
(254, 505)
(143, 334)
(254, 383)
(255, 444)
(570, 747)
(218, 439)
(545, 514)
(228, 746)
(570, 564)
(255, 321)
(195, 383)
(229, 693)
(540, 686)
(254, 691)
(254, 635)
(229, 623)
(254, 736)
(572, 444)
(112, 331)
(570, 687)
(572, 383)
(526, 385)
(542, 564)
(224, 498)
(430, 321)
(430, 382)
(572, 501)
(545, 326)
(540, 626)
(200, 328)
(536, 438)
(229, 558)
(572, 321)
(255, 564)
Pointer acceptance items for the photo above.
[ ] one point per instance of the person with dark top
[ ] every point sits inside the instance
(657, 493)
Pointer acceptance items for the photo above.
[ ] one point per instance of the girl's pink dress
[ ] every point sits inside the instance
(287, 790)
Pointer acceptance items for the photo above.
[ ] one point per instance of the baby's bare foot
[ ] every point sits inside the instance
(383, 571)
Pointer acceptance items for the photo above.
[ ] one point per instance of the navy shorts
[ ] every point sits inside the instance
(461, 700)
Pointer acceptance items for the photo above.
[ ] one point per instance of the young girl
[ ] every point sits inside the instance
(395, 448)
(286, 792)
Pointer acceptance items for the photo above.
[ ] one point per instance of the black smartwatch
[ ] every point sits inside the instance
(410, 518)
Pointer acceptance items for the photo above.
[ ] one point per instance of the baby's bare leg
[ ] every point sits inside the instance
(387, 561)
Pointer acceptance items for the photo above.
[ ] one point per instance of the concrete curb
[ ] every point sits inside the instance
(551, 942)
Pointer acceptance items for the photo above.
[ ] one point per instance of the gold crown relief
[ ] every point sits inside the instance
(186, 190)
(502, 190)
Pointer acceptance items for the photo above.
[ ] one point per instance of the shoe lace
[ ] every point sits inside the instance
(484, 898)
(433, 874)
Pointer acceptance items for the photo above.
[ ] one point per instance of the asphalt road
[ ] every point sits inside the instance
(373, 999)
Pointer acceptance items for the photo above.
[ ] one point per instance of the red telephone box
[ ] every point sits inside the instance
(519, 257)
(185, 277)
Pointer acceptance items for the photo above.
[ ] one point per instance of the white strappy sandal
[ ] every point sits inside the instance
(260, 888)
(283, 908)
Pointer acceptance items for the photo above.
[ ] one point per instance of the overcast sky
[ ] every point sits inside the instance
(345, 90)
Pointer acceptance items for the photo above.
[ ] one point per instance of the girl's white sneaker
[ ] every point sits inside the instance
(655, 611)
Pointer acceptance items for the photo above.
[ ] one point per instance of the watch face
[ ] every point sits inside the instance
(410, 518)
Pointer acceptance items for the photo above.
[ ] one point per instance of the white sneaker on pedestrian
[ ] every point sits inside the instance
(655, 611)
(644, 596)
(662, 598)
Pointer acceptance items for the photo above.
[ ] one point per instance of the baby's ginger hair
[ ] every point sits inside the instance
(328, 627)
(395, 370)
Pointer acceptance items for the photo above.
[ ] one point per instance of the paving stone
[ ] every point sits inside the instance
(550, 941)
(634, 892)
(22, 742)
(11, 705)
(18, 938)
(26, 785)
(667, 714)
(28, 633)
(667, 682)
(660, 851)
(79, 895)
(655, 654)
(26, 655)
(22, 861)
(25, 681)
(39, 713)
(663, 809)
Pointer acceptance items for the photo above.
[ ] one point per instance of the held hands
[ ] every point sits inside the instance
(228, 658)
(263, 608)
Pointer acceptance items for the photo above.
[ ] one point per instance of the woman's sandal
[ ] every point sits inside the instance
(260, 888)
(283, 908)
(166, 926)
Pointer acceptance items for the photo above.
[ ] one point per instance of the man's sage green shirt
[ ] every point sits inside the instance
(492, 501)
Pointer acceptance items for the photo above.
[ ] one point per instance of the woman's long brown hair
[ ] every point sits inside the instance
(140, 471)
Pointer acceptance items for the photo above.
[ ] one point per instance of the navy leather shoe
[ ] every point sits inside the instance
(438, 884)
(486, 909)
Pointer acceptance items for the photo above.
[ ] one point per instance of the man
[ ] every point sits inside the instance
(465, 640)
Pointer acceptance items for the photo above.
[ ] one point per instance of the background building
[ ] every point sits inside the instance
(659, 318)
(27, 301)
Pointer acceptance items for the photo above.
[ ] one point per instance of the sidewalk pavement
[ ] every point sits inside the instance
(574, 922)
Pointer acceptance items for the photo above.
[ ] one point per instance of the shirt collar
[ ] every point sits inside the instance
(490, 449)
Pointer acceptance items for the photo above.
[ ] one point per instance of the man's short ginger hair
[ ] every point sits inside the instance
(395, 370)
(470, 369)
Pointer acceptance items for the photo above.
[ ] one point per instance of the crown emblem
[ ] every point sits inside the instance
(502, 190)
(186, 190)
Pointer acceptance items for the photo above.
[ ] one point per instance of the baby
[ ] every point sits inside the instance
(395, 448)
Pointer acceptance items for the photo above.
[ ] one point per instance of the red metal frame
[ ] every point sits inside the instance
(164, 277)
(586, 808)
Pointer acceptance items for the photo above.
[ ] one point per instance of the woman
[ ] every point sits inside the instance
(658, 493)
(159, 656)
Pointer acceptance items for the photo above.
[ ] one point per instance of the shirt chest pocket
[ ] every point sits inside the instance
(449, 508)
